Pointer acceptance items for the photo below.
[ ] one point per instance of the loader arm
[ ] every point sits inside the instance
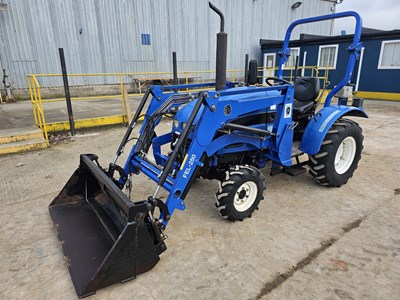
(176, 177)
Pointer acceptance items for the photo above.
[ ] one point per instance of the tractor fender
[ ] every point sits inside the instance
(320, 123)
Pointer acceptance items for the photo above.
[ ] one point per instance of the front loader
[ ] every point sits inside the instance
(227, 131)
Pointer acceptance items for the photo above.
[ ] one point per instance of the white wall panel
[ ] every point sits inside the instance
(105, 35)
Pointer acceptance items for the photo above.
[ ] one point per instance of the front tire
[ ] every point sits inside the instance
(339, 155)
(240, 193)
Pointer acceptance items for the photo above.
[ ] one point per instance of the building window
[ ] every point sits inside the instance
(146, 39)
(389, 57)
(291, 63)
(327, 56)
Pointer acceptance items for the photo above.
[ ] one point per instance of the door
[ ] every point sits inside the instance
(269, 65)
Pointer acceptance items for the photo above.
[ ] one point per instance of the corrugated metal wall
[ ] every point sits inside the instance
(105, 35)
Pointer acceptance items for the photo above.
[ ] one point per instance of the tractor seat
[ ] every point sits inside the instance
(306, 90)
(302, 109)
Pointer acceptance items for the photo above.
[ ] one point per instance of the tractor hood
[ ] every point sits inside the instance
(183, 115)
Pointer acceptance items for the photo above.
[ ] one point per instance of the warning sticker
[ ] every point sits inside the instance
(288, 111)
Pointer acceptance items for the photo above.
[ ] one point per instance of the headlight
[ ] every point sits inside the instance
(175, 123)
(183, 125)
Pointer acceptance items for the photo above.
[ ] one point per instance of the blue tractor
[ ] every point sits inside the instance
(227, 131)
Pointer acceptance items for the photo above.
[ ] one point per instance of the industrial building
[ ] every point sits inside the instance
(378, 69)
(139, 36)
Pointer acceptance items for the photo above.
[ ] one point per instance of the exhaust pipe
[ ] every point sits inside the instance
(222, 44)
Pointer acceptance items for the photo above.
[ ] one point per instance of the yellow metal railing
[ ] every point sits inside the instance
(37, 106)
(133, 77)
(122, 79)
(138, 80)
(321, 73)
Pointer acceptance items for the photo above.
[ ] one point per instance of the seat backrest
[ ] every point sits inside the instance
(253, 72)
(306, 89)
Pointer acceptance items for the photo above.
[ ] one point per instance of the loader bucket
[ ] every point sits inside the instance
(106, 238)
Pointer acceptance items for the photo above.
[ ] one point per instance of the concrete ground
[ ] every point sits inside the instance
(305, 242)
(20, 115)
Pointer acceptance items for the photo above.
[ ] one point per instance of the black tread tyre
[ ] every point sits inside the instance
(339, 155)
(240, 193)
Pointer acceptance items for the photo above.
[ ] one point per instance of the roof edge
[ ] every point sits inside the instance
(309, 39)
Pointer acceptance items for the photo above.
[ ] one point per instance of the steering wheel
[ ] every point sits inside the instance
(281, 80)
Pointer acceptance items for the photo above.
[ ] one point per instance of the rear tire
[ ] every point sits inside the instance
(339, 155)
(240, 193)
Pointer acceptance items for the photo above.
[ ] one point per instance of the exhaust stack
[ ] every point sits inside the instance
(222, 44)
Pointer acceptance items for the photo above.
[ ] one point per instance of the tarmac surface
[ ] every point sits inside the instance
(305, 242)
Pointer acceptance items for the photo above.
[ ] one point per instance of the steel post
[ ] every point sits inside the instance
(175, 68)
(66, 90)
(246, 68)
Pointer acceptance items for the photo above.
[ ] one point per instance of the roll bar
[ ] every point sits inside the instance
(354, 49)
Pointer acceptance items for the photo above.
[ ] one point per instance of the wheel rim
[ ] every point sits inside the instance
(345, 155)
(245, 196)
